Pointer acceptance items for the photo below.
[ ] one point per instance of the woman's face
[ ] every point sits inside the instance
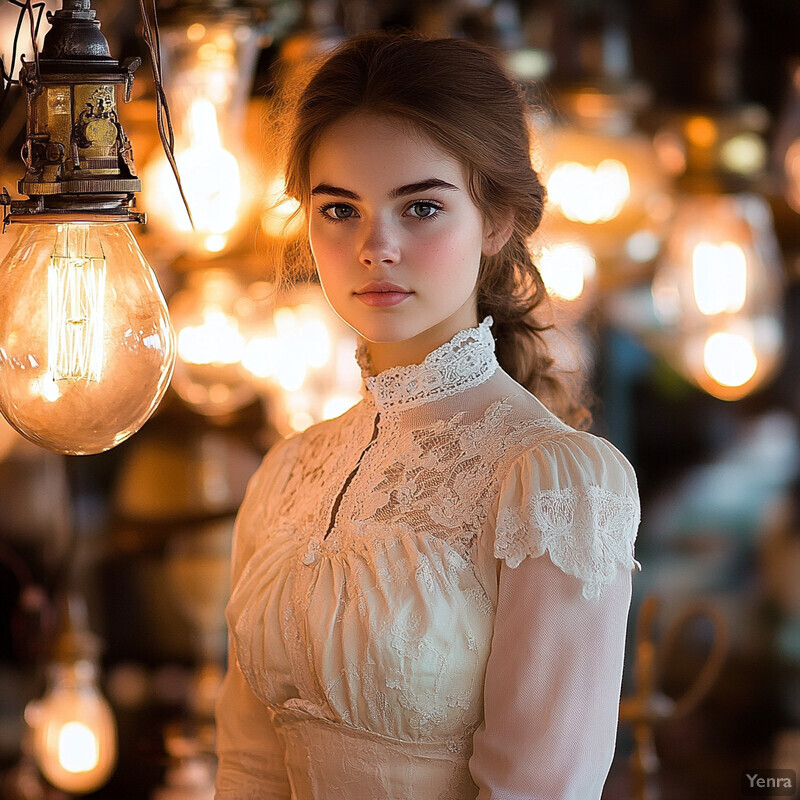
(396, 237)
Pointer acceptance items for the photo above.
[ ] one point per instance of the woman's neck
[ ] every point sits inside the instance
(384, 355)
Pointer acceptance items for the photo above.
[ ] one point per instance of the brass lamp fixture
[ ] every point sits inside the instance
(86, 347)
(76, 153)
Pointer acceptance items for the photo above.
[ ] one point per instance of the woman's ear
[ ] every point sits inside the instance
(496, 232)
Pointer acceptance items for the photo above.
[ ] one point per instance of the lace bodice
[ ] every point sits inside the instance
(366, 571)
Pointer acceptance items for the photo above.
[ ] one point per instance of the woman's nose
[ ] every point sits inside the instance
(380, 246)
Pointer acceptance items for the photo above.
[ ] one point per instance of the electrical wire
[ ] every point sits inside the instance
(7, 76)
(152, 39)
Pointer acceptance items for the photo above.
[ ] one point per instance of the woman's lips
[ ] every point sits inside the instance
(377, 294)
(383, 298)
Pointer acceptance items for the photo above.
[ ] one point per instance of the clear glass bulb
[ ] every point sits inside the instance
(568, 267)
(86, 346)
(74, 733)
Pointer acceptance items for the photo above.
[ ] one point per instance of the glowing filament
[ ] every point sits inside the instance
(76, 289)
(729, 359)
(719, 278)
(78, 748)
(589, 194)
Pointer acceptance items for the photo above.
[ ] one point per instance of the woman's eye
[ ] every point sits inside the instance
(424, 209)
(338, 211)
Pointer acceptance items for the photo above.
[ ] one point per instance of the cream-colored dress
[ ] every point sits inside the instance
(430, 598)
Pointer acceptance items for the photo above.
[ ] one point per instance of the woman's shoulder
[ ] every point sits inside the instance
(550, 454)
(574, 495)
(569, 458)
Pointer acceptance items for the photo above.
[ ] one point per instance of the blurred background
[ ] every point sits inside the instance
(668, 134)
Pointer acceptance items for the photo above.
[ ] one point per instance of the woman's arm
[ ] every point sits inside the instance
(251, 765)
(552, 687)
(250, 756)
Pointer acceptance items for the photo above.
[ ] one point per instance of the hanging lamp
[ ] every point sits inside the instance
(717, 289)
(86, 346)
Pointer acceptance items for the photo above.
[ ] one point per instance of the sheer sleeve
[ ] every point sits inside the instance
(566, 522)
(250, 756)
(251, 763)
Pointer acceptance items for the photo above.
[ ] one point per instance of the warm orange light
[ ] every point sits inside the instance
(589, 194)
(729, 359)
(305, 361)
(605, 185)
(701, 131)
(74, 733)
(86, 346)
(719, 277)
(717, 293)
(281, 217)
(214, 317)
(565, 268)
(211, 181)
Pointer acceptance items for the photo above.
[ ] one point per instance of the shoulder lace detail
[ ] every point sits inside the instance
(586, 530)
(467, 360)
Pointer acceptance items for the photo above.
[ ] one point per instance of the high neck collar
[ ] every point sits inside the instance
(465, 361)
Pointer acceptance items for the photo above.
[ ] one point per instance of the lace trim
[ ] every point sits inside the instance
(586, 531)
(467, 360)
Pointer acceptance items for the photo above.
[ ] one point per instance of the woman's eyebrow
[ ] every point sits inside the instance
(336, 191)
(400, 191)
(421, 186)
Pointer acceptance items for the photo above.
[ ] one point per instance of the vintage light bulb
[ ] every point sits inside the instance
(74, 732)
(729, 358)
(208, 68)
(589, 194)
(211, 180)
(75, 736)
(717, 293)
(86, 346)
(567, 265)
(604, 181)
(719, 277)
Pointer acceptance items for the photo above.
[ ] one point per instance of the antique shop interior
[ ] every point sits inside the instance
(667, 133)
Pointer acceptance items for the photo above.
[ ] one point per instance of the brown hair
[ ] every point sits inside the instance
(456, 92)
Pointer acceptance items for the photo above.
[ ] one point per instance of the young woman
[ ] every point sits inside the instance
(431, 591)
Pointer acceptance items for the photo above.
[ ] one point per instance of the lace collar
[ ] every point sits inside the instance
(465, 361)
